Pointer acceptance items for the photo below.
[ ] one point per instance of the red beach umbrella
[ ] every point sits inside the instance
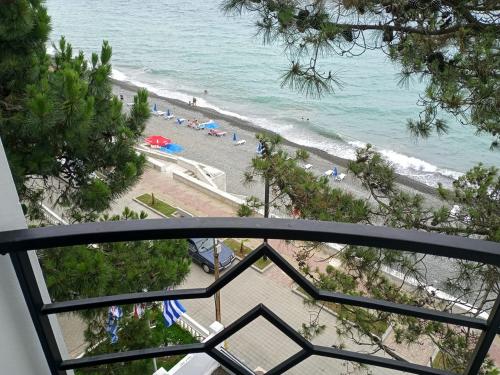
(158, 140)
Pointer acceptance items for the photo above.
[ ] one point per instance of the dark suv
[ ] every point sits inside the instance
(201, 251)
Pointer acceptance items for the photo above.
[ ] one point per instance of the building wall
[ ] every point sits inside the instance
(20, 350)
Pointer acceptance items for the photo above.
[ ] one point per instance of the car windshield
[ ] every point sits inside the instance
(203, 244)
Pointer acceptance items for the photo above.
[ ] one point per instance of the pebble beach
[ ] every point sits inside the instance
(222, 153)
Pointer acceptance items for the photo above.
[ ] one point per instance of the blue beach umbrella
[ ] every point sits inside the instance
(211, 125)
(234, 137)
(335, 173)
(168, 112)
(172, 148)
(154, 108)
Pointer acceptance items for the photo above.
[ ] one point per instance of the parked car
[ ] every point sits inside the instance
(202, 252)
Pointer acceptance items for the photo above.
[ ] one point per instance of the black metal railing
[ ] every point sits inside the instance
(17, 243)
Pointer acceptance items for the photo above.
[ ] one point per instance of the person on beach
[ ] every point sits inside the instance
(194, 101)
(205, 92)
(121, 97)
(189, 103)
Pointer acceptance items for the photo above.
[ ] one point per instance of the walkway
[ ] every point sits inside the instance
(174, 193)
(260, 344)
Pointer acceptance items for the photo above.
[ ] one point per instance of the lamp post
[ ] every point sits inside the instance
(217, 250)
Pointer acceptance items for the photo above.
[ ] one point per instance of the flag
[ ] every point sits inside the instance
(139, 309)
(260, 148)
(114, 315)
(172, 310)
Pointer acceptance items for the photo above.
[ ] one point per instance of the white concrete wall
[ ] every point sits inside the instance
(196, 364)
(205, 173)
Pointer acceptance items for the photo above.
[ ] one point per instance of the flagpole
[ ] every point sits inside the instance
(216, 274)
(154, 364)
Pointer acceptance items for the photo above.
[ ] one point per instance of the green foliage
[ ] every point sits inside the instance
(451, 46)
(469, 209)
(242, 251)
(63, 130)
(476, 195)
(294, 188)
(146, 332)
(116, 268)
(24, 29)
(244, 211)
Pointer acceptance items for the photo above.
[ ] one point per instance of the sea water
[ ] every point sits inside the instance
(180, 48)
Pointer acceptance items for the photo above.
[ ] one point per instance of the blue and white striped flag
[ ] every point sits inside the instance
(114, 315)
(172, 310)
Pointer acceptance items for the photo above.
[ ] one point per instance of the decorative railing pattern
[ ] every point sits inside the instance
(18, 242)
(193, 327)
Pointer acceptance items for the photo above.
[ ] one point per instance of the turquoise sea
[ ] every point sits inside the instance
(179, 48)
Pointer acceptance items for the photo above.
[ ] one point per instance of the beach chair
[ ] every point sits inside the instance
(240, 142)
(217, 133)
(340, 177)
(155, 111)
(168, 115)
(332, 173)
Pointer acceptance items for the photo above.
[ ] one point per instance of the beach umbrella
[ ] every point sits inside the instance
(234, 137)
(168, 112)
(158, 140)
(335, 173)
(211, 125)
(172, 148)
(154, 108)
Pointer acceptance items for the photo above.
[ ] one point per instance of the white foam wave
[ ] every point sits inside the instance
(357, 144)
(415, 167)
(305, 137)
(157, 89)
(408, 162)
(118, 75)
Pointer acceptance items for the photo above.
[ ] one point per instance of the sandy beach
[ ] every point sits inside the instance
(221, 152)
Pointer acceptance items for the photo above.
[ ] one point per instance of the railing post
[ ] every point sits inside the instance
(485, 340)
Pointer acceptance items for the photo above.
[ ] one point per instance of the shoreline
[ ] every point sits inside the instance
(252, 128)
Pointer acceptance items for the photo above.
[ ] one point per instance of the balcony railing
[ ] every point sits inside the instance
(17, 243)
